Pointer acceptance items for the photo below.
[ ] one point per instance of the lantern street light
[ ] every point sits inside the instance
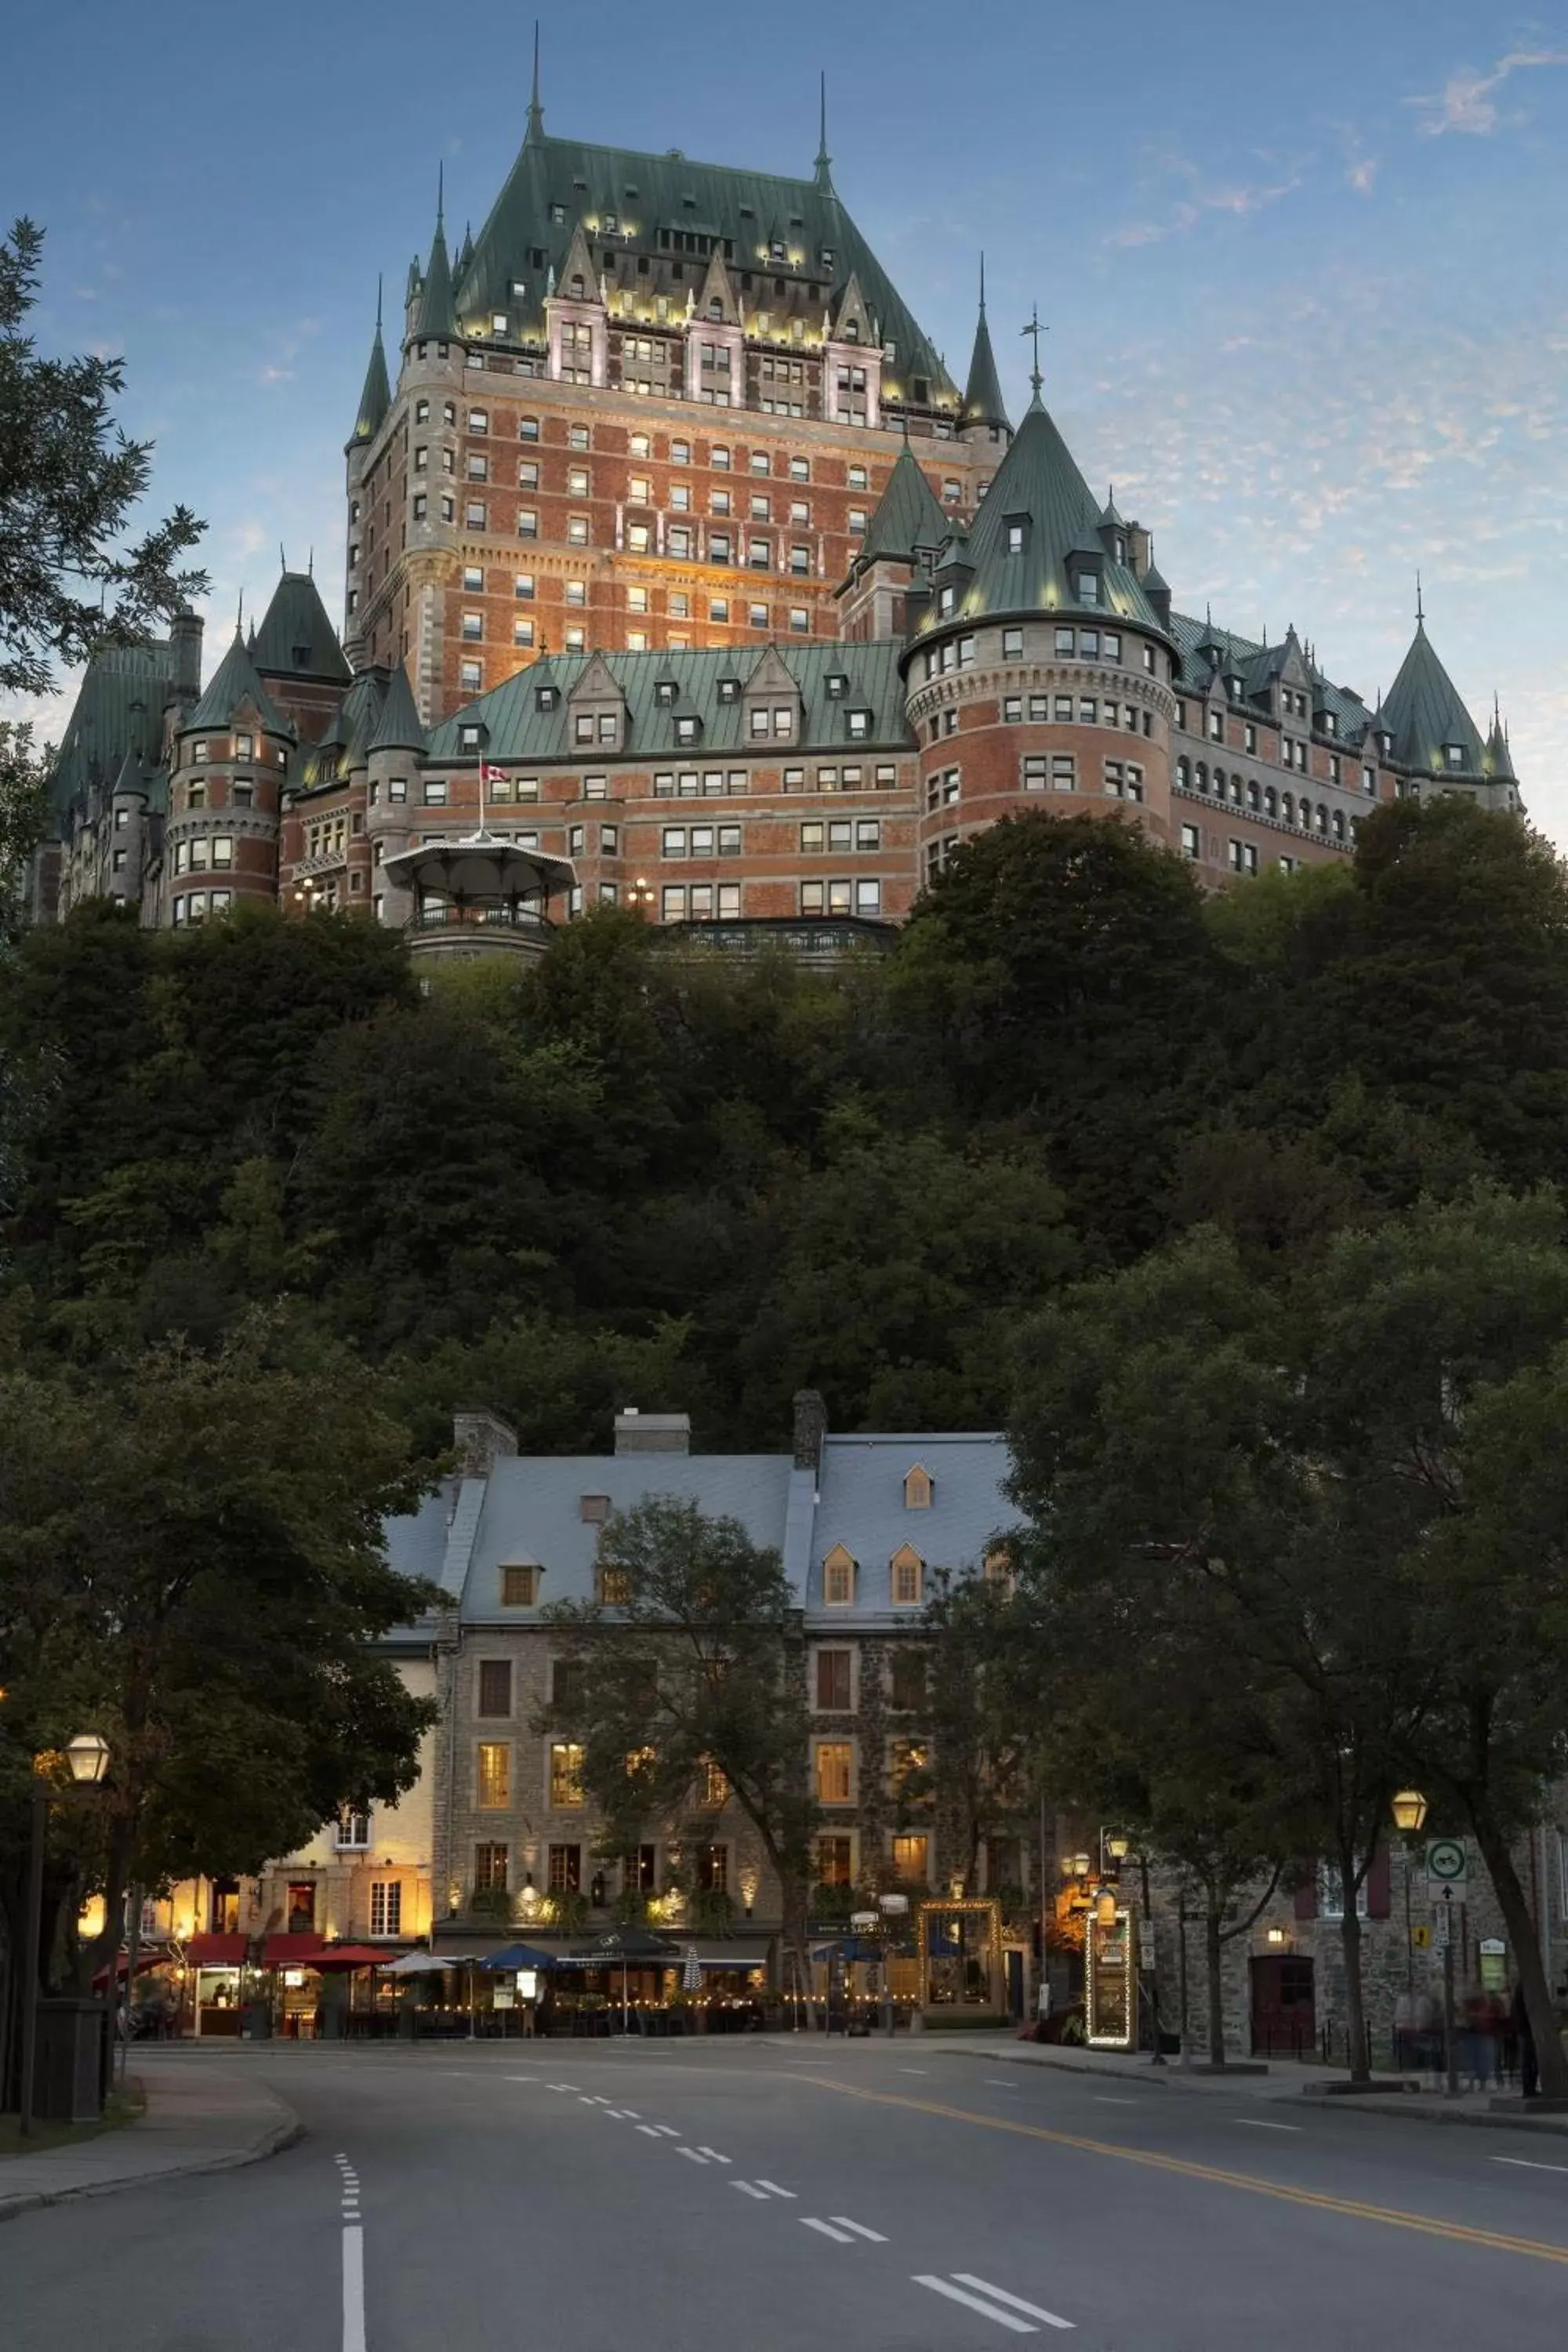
(1409, 1810)
(1408, 1807)
(87, 1757)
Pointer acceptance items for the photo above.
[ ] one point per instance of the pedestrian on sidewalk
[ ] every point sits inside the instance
(1478, 2046)
(1524, 2038)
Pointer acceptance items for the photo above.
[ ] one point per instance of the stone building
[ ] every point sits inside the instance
(664, 494)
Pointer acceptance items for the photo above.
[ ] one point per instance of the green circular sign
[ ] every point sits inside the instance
(1446, 1858)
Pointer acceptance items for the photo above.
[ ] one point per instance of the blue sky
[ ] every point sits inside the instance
(1304, 272)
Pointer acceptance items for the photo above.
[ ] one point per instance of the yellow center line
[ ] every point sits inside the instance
(1390, 2215)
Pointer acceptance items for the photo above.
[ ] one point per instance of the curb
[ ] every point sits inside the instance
(282, 2134)
(1169, 2077)
(1407, 2111)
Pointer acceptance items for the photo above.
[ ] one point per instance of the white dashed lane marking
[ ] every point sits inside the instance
(827, 2230)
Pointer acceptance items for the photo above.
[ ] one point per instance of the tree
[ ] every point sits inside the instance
(69, 481)
(1059, 975)
(979, 1752)
(1173, 1474)
(192, 1564)
(697, 1666)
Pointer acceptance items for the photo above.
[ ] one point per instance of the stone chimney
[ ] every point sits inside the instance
(186, 644)
(481, 1437)
(652, 1432)
(810, 1428)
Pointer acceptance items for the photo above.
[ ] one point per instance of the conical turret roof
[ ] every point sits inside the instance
(982, 401)
(233, 684)
(1423, 712)
(296, 638)
(399, 728)
(437, 318)
(1039, 497)
(907, 519)
(1499, 759)
(376, 398)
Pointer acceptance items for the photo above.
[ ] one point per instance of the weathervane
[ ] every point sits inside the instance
(1034, 329)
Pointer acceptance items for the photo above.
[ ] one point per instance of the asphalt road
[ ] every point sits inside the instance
(726, 2197)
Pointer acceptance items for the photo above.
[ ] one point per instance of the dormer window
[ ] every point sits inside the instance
(664, 693)
(838, 685)
(946, 602)
(686, 729)
(245, 747)
(859, 725)
(469, 737)
(729, 690)
(838, 1579)
(1454, 754)
(907, 1578)
(544, 698)
(918, 1488)
(1017, 530)
(1085, 587)
(852, 331)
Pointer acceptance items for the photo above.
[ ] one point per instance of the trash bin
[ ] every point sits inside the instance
(255, 2021)
(69, 2080)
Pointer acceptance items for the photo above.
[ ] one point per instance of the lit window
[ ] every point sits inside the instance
(492, 1777)
(835, 1771)
(565, 1774)
(910, 1862)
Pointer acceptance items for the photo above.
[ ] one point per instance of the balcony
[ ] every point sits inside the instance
(478, 927)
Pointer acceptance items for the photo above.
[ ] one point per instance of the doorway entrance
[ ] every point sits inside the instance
(1284, 2006)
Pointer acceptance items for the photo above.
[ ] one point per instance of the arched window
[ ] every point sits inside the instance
(1322, 818)
(1253, 799)
(1236, 795)
(1306, 814)
(1185, 776)
(1271, 801)
(1219, 784)
(1203, 776)
(1288, 808)
(1339, 824)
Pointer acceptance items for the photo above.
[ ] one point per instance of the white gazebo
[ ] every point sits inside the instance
(478, 893)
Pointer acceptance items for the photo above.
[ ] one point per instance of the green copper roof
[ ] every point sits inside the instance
(118, 710)
(518, 730)
(1423, 712)
(908, 518)
(235, 683)
(1499, 759)
(1039, 493)
(296, 639)
(982, 401)
(399, 728)
(523, 241)
(437, 320)
(376, 398)
(1248, 658)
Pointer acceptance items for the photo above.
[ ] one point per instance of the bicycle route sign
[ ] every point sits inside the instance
(1447, 1869)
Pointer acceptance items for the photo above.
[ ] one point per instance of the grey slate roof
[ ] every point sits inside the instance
(907, 519)
(744, 209)
(296, 638)
(1246, 658)
(436, 318)
(1038, 481)
(118, 709)
(345, 743)
(518, 729)
(532, 1513)
(234, 683)
(399, 728)
(377, 397)
(861, 1507)
(982, 401)
(1423, 712)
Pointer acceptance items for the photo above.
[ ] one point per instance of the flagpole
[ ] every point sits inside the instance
(482, 792)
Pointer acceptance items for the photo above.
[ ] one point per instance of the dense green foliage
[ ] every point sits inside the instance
(628, 1173)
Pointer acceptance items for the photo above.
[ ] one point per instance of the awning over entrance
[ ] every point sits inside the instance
(297, 1952)
(217, 1951)
(353, 1956)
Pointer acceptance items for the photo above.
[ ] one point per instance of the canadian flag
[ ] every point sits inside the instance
(488, 775)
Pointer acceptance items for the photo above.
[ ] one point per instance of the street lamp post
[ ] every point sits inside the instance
(86, 1756)
(1409, 1810)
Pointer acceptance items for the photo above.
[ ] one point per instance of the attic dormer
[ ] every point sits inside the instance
(919, 1488)
(717, 305)
(772, 701)
(598, 708)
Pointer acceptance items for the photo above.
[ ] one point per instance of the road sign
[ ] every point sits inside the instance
(1443, 1923)
(1447, 1867)
(1421, 1937)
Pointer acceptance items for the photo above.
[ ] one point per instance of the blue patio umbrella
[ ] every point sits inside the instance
(517, 1955)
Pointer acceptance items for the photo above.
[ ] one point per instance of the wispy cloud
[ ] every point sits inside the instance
(1466, 102)
(1239, 199)
(1359, 173)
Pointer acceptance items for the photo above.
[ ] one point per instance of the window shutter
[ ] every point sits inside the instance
(1306, 1892)
(1377, 1885)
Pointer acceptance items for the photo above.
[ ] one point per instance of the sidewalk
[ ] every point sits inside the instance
(195, 2121)
(1286, 2080)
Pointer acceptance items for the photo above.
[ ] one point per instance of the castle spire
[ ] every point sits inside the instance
(535, 111)
(983, 402)
(824, 159)
(377, 397)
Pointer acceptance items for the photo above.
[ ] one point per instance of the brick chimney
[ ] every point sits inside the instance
(652, 1432)
(810, 1428)
(480, 1436)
